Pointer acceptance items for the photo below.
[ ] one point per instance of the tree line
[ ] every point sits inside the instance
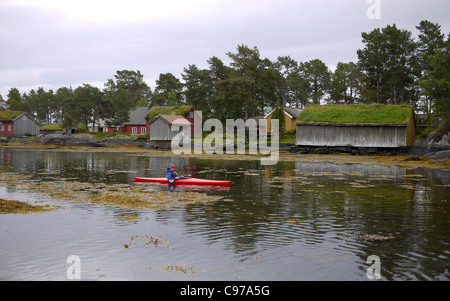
(392, 68)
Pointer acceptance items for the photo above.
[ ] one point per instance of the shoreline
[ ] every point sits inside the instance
(411, 159)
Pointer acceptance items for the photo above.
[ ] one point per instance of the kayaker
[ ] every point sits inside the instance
(171, 174)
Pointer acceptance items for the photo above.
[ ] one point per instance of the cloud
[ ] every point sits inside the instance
(54, 43)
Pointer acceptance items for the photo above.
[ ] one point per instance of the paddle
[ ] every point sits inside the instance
(181, 177)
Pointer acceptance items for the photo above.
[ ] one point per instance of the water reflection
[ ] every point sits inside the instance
(307, 214)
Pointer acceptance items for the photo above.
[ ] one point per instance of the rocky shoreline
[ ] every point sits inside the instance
(435, 146)
(83, 140)
(433, 151)
(427, 149)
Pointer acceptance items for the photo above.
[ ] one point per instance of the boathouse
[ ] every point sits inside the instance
(56, 128)
(18, 123)
(368, 126)
(187, 112)
(161, 129)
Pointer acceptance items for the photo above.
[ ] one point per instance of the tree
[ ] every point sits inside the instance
(389, 65)
(199, 88)
(300, 89)
(371, 61)
(431, 41)
(252, 81)
(436, 81)
(168, 90)
(61, 99)
(244, 78)
(278, 113)
(318, 75)
(284, 67)
(345, 83)
(40, 103)
(117, 104)
(121, 95)
(218, 72)
(2, 103)
(82, 106)
(14, 101)
(133, 83)
(234, 98)
(266, 92)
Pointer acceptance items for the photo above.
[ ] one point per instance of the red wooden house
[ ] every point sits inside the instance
(17, 123)
(137, 124)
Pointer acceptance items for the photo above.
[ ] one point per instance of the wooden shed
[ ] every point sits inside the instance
(373, 126)
(56, 128)
(161, 129)
(18, 123)
(290, 118)
(185, 111)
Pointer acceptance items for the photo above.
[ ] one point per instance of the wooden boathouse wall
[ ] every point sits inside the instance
(372, 135)
(360, 135)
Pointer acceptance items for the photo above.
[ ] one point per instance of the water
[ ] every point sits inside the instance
(290, 221)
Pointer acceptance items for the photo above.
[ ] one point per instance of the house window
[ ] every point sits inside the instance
(3, 128)
(134, 130)
(191, 114)
(143, 131)
(9, 127)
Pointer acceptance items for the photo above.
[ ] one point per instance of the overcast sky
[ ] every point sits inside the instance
(62, 43)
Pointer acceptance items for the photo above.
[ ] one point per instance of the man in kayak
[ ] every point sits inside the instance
(171, 174)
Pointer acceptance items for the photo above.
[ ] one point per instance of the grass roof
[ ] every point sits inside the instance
(392, 114)
(155, 111)
(9, 115)
(52, 127)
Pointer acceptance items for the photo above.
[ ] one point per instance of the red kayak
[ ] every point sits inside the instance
(188, 181)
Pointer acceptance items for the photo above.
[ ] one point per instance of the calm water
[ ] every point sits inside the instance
(291, 221)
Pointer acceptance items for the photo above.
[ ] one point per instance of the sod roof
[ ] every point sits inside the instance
(155, 111)
(52, 127)
(9, 115)
(351, 114)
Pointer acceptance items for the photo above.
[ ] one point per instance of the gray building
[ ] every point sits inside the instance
(317, 126)
(161, 129)
(18, 123)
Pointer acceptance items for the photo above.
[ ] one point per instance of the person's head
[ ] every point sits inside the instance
(172, 166)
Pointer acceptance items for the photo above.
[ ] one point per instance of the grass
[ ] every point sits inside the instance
(101, 135)
(9, 115)
(288, 136)
(356, 113)
(52, 127)
(181, 110)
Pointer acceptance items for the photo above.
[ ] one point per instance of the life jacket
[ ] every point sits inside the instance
(171, 174)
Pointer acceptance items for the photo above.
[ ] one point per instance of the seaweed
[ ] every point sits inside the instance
(13, 206)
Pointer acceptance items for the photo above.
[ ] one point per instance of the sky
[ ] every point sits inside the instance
(65, 43)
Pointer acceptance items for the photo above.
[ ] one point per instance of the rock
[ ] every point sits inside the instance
(445, 140)
(445, 154)
(343, 149)
(322, 150)
(413, 158)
